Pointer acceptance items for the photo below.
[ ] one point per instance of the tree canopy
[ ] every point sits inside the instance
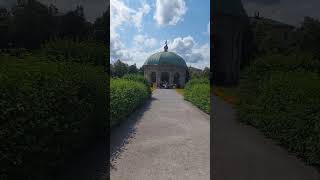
(30, 23)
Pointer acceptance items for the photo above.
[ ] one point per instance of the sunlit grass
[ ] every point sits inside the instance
(154, 87)
(180, 91)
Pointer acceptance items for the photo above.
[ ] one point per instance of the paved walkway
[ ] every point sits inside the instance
(167, 139)
(242, 153)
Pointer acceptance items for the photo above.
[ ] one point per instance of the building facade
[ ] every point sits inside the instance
(165, 68)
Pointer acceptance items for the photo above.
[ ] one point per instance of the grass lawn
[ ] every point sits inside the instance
(154, 87)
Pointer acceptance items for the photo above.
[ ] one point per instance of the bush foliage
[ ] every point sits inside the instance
(138, 78)
(48, 112)
(125, 96)
(280, 95)
(90, 52)
(197, 91)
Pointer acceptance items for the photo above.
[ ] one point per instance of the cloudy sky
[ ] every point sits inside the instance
(287, 11)
(92, 8)
(140, 28)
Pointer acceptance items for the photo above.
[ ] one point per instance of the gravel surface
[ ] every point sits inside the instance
(166, 139)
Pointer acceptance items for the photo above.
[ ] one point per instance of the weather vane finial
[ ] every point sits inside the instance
(166, 47)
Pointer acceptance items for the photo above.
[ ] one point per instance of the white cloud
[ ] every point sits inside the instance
(208, 28)
(137, 17)
(193, 54)
(148, 42)
(117, 50)
(151, 42)
(169, 11)
(121, 14)
(139, 39)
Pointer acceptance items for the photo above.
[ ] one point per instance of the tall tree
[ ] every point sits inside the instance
(100, 27)
(309, 36)
(133, 69)
(5, 20)
(206, 72)
(120, 68)
(32, 24)
(74, 25)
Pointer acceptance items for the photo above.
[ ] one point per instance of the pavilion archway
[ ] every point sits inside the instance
(165, 77)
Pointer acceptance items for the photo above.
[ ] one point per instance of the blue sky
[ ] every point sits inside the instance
(139, 28)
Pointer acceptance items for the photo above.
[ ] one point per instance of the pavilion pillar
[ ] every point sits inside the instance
(158, 76)
(170, 78)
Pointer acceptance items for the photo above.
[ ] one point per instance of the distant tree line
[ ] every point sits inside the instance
(30, 23)
(270, 37)
(194, 73)
(119, 69)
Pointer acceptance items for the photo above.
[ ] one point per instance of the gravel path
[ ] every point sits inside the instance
(167, 139)
(242, 153)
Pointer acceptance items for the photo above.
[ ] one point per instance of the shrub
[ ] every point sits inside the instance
(198, 81)
(91, 52)
(138, 78)
(197, 91)
(280, 63)
(280, 95)
(48, 112)
(125, 96)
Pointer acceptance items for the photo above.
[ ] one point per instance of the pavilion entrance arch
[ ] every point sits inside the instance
(165, 77)
(176, 79)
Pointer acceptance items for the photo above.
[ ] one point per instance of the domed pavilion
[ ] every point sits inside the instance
(165, 68)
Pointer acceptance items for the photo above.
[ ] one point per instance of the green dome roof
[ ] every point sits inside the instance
(228, 7)
(169, 58)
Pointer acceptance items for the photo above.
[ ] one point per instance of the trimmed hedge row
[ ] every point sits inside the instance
(90, 52)
(197, 91)
(48, 112)
(280, 95)
(125, 96)
(138, 78)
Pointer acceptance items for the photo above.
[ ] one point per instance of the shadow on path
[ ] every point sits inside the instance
(122, 133)
(242, 152)
(87, 165)
(92, 164)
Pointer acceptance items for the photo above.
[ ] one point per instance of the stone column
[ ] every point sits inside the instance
(146, 74)
(170, 78)
(158, 75)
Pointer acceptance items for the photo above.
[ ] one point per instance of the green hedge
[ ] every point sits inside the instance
(280, 95)
(125, 97)
(138, 78)
(91, 52)
(197, 91)
(48, 112)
